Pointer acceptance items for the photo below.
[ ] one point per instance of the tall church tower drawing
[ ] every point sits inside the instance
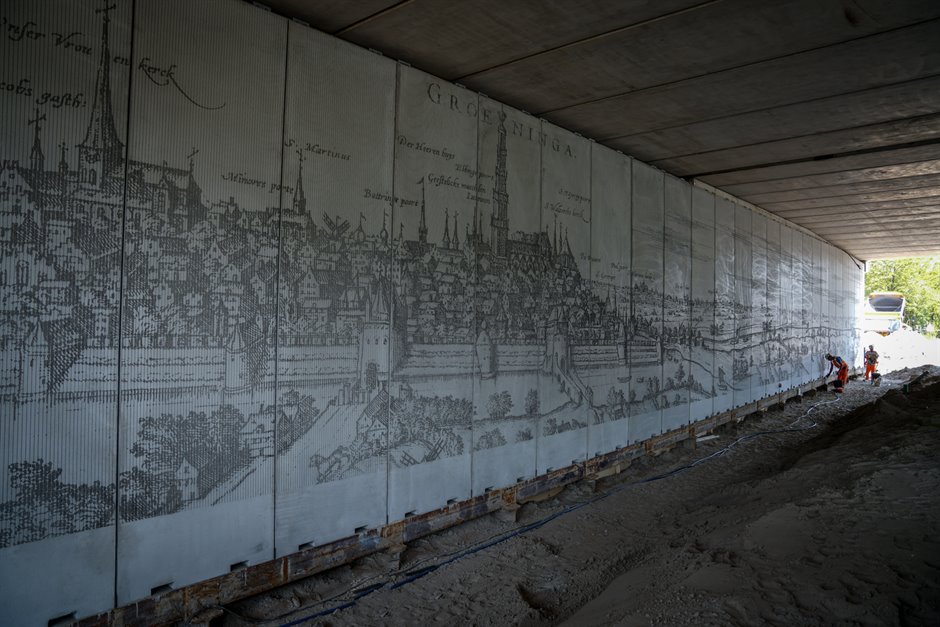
(423, 226)
(101, 150)
(500, 219)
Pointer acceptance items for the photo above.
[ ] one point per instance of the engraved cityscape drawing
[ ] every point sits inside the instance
(359, 340)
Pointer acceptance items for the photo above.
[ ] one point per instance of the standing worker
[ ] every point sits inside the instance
(842, 372)
(871, 361)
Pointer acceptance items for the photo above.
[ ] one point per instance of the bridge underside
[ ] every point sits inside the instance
(826, 114)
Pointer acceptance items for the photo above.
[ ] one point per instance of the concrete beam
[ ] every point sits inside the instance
(851, 110)
(844, 177)
(896, 252)
(682, 46)
(818, 73)
(913, 206)
(849, 189)
(861, 139)
(852, 224)
(808, 167)
(853, 199)
(330, 16)
(462, 39)
(907, 236)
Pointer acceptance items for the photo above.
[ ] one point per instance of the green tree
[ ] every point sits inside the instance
(918, 278)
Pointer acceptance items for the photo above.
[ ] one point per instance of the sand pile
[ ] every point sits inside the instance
(838, 524)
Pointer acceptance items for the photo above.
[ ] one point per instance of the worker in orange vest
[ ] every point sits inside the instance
(871, 361)
(842, 371)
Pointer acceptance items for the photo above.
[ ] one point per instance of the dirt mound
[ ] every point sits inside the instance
(836, 524)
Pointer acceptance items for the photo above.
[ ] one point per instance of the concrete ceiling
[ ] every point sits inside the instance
(825, 112)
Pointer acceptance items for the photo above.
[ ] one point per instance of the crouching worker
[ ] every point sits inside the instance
(842, 371)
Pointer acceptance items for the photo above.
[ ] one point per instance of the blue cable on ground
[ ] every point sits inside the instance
(426, 570)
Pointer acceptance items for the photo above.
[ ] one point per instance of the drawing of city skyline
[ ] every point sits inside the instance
(446, 318)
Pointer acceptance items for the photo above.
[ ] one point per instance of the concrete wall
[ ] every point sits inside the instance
(262, 288)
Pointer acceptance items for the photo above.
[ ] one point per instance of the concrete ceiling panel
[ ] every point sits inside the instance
(861, 139)
(818, 73)
(826, 165)
(825, 112)
(851, 189)
(852, 199)
(872, 106)
(872, 175)
(716, 36)
(331, 16)
(456, 39)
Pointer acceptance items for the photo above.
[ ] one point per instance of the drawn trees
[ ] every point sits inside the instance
(499, 405)
(46, 506)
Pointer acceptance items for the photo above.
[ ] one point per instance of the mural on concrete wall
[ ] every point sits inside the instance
(725, 310)
(291, 329)
(435, 349)
(645, 325)
(64, 95)
(334, 312)
(198, 328)
(509, 352)
(743, 344)
(761, 344)
(582, 335)
(611, 215)
(677, 297)
(703, 329)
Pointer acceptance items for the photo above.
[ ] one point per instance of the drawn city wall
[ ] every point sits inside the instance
(376, 291)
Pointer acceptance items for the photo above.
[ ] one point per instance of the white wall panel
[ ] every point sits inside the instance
(703, 329)
(677, 260)
(761, 346)
(572, 301)
(743, 345)
(610, 278)
(64, 127)
(197, 360)
(645, 328)
(507, 385)
(725, 310)
(434, 365)
(335, 291)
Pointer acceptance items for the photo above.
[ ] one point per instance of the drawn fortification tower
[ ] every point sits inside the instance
(379, 342)
(236, 362)
(34, 365)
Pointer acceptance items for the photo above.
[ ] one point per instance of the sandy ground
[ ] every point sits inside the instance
(902, 349)
(832, 525)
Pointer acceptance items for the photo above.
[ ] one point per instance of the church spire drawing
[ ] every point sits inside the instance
(500, 219)
(446, 238)
(423, 226)
(101, 150)
(63, 163)
(299, 204)
(37, 160)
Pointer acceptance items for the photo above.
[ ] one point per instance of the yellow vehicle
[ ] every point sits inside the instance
(884, 312)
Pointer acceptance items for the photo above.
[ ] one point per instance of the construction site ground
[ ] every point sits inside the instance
(833, 524)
